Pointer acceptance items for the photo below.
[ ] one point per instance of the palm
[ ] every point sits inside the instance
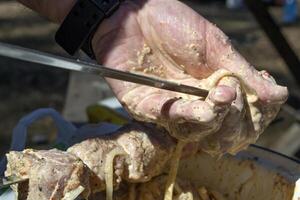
(165, 38)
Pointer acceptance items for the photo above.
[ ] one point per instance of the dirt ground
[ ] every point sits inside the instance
(25, 87)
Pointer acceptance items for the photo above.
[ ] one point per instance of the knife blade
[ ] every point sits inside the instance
(34, 56)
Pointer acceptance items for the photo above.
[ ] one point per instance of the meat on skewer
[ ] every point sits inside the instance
(53, 174)
(147, 151)
(154, 190)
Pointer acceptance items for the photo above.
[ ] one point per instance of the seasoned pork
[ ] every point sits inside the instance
(154, 190)
(52, 174)
(146, 153)
(183, 190)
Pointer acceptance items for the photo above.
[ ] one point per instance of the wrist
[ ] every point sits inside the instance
(107, 31)
(81, 22)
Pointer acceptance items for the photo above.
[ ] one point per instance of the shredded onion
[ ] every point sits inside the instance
(109, 171)
(132, 191)
(173, 170)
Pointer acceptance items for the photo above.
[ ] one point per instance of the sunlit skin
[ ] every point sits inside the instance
(166, 38)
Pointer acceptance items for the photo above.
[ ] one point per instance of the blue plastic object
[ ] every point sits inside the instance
(67, 133)
(290, 11)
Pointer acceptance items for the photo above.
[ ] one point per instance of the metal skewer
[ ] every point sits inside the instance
(46, 59)
(34, 56)
(11, 180)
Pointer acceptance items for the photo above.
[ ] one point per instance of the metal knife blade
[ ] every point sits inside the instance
(20, 53)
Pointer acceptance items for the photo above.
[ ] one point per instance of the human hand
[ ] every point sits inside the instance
(167, 39)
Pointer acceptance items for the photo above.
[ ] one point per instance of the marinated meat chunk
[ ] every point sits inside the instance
(147, 151)
(154, 190)
(52, 174)
(140, 152)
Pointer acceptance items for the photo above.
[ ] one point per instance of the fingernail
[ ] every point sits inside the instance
(267, 76)
(223, 94)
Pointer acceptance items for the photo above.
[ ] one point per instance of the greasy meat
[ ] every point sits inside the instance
(147, 151)
(183, 190)
(52, 174)
(154, 190)
(168, 40)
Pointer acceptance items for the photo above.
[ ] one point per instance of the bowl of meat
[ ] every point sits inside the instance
(140, 161)
(134, 162)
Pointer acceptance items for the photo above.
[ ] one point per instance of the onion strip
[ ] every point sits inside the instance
(132, 191)
(109, 173)
(173, 170)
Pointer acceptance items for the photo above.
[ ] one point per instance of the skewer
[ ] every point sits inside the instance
(11, 180)
(73, 194)
(49, 60)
